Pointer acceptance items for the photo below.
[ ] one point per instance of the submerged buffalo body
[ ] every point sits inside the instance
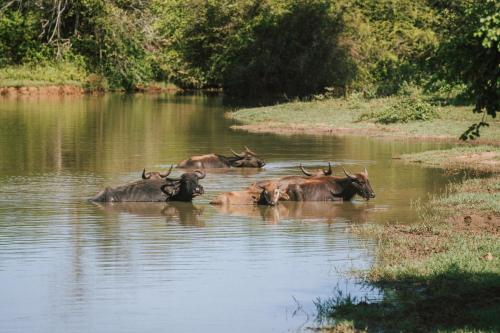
(246, 159)
(330, 188)
(261, 195)
(146, 190)
(184, 188)
(286, 181)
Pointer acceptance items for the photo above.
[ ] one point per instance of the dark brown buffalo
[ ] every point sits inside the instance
(155, 190)
(331, 188)
(156, 174)
(261, 195)
(246, 159)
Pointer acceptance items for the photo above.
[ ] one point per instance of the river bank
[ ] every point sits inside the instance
(63, 79)
(355, 117)
(440, 274)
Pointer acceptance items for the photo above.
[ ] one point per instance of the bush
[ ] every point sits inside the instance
(96, 82)
(405, 109)
(18, 36)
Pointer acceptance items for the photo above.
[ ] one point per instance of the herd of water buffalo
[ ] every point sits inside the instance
(319, 185)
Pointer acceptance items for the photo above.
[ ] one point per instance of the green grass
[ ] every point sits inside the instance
(333, 114)
(42, 75)
(442, 274)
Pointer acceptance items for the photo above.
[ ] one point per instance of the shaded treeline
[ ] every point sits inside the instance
(283, 47)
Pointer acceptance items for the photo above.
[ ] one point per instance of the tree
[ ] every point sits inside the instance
(469, 53)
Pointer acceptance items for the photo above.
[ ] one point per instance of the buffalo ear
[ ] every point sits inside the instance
(170, 190)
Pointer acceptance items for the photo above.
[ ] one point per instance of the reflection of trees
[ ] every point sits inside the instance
(100, 132)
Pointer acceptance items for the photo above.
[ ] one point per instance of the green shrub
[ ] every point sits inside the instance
(405, 109)
(96, 82)
(18, 36)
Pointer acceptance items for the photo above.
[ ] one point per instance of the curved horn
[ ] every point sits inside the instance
(304, 171)
(366, 172)
(235, 154)
(249, 151)
(200, 174)
(329, 171)
(163, 175)
(348, 174)
(144, 174)
(173, 179)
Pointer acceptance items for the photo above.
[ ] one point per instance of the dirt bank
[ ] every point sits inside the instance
(49, 90)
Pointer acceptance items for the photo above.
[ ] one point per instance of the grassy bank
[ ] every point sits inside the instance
(482, 158)
(358, 116)
(442, 274)
(42, 75)
(32, 79)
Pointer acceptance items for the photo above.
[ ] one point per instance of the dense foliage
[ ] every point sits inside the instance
(286, 47)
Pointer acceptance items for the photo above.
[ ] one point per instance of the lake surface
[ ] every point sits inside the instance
(67, 265)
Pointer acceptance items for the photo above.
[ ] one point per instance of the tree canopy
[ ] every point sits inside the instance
(286, 47)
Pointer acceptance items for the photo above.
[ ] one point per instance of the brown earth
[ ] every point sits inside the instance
(52, 90)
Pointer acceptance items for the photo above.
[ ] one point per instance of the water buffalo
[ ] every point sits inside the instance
(246, 159)
(156, 174)
(260, 195)
(331, 188)
(155, 190)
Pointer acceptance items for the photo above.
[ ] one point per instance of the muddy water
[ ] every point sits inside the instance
(67, 265)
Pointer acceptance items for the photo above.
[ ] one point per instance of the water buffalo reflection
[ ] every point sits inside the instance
(184, 213)
(301, 210)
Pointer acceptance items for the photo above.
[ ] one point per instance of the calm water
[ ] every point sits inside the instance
(67, 265)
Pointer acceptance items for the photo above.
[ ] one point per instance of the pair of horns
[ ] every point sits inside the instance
(325, 172)
(352, 176)
(162, 175)
(200, 174)
(247, 150)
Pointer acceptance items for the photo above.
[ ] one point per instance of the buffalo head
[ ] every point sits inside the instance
(361, 184)
(270, 194)
(156, 174)
(247, 159)
(317, 173)
(184, 188)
